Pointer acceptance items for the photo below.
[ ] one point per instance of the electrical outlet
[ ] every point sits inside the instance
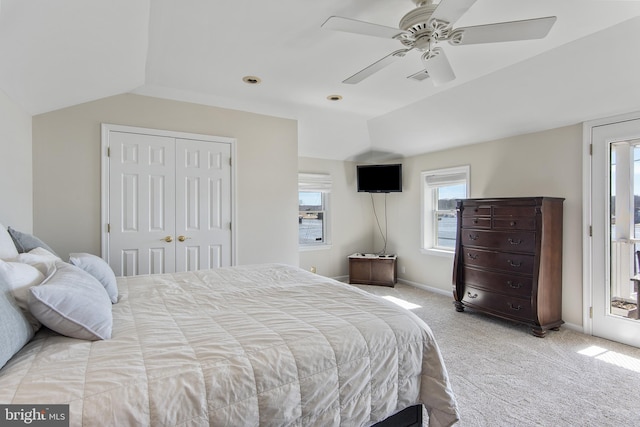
(403, 269)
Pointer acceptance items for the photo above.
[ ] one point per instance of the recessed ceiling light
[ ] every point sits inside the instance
(334, 97)
(252, 80)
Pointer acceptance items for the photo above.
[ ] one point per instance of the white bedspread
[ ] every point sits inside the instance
(266, 345)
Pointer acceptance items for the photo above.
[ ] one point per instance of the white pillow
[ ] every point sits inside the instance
(18, 278)
(99, 269)
(72, 303)
(7, 247)
(39, 258)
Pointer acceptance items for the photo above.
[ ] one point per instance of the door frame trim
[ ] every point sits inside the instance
(587, 205)
(104, 176)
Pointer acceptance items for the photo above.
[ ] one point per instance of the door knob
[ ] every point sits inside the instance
(168, 239)
(183, 238)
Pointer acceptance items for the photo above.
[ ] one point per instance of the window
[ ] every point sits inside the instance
(440, 190)
(313, 209)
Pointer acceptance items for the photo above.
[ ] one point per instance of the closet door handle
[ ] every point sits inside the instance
(183, 238)
(168, 239)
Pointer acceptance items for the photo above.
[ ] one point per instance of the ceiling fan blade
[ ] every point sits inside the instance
(348, 25)
(438, 66)
(527, 29)
(376, 66)
(451, 10)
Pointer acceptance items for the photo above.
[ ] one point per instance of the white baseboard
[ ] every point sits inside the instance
(427, 287)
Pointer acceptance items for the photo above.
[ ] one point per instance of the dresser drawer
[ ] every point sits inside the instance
(519, 241)
(515, 223)
(505, 305)
(503, 283)
(509, 262)
(514, 211)
(483, 210)
(476, 222)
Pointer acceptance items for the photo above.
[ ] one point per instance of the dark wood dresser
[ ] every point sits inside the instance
(508, 259)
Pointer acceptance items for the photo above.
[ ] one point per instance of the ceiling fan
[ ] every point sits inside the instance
(429, 24)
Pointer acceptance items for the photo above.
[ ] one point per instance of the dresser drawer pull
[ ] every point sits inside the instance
(472, 256)
(514, 285)
(474, 237)
(515, 307)
(514, 241)
(513, 263)
(474, 296)
(512, 223)
(475, 221)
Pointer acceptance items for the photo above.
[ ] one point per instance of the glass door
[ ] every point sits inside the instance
(615, 215)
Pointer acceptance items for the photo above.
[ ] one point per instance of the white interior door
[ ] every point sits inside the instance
(203, 211)
(141, 204)
(613, 225)
(168, 203)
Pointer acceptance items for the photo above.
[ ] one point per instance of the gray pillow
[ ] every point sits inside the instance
(15, 330)
(72, 303)
(99, 269)
(25, 242)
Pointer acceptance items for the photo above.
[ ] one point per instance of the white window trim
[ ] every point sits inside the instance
(443, 176)
(316, 182)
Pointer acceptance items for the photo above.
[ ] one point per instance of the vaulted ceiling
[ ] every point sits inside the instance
(55, 54)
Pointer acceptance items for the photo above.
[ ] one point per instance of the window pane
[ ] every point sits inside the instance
(310, 217)
(447, 195)
(446, 230)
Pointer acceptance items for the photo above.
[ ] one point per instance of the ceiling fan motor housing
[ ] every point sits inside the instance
(422, 28)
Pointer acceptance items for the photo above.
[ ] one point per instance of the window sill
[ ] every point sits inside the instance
(308, 248)
(437, 252)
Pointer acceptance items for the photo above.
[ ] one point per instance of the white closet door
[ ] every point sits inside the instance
(203, 208)
(141, 203)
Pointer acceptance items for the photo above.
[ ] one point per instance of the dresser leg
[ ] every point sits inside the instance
(459, 306)
(538, 332)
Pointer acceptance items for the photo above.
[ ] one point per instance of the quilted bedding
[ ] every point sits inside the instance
(268, 345)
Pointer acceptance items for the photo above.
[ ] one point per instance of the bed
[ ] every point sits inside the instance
(268, 345)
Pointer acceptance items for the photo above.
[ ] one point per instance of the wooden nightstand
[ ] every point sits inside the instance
(366, 269)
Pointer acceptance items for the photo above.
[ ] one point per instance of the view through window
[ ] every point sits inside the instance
(311, 215)
(441, 190)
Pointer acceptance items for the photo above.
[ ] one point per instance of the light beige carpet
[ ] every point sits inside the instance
(504, 376)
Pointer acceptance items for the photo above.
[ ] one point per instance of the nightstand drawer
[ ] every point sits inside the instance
(503, 283)
(514, 263)
(516, 241)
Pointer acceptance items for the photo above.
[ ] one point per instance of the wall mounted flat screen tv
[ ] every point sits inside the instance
(379, 178)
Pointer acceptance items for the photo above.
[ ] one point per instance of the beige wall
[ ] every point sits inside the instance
(16, 182)
(66, 177)
(539, 164)
(350, 215)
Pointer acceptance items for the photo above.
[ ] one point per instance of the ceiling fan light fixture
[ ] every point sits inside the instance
(334, 97)
(252, 80)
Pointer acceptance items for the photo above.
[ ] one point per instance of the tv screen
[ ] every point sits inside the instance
(379, 178)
